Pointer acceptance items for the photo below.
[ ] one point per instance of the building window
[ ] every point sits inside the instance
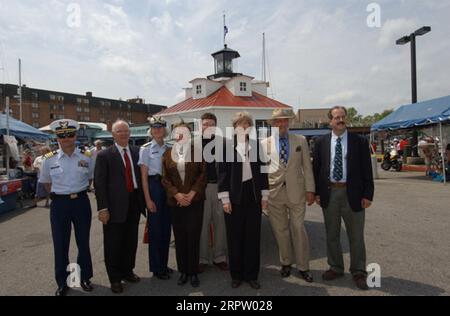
(34, 96)
(79, 100)
(52, 97)
(35, 115)
(86, 110)
(52, 107)
(60, 98)
(243, 86)
(86, 101)
(35, 105)
(52, 116)
(79, 109)
(78, 117)
(87, 118)
(198, 89)
(61, 107)
(36, 124)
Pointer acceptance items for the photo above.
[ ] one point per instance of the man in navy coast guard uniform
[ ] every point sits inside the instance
(66, 174)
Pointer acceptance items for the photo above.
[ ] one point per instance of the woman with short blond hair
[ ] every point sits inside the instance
(244, 192)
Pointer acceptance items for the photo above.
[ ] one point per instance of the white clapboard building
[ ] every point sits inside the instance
(224, 94)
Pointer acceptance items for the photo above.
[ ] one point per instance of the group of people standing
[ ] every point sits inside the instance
(214, 207)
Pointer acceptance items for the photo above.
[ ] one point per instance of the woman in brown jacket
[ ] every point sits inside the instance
(185, 182)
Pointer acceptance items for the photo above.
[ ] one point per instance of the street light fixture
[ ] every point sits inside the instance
(422, 31)
(403, 41)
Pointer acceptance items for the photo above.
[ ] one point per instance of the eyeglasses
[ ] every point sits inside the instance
(66, 135)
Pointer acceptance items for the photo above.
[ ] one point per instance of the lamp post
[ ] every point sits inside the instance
(403, 41)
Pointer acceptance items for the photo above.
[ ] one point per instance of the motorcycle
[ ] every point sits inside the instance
(392, 160)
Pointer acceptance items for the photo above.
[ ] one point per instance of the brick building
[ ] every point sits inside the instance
(311, 118)
(41, 107)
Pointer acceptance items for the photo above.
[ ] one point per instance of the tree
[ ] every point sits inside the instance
(356, 120)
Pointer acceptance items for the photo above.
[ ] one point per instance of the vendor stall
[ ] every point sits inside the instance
(432, 113)
(16, 183)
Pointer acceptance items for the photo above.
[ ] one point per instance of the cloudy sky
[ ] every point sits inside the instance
(320, 53)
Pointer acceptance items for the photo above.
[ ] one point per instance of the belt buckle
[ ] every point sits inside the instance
(73, 196)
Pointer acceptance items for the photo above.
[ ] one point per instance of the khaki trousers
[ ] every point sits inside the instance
(288, 226)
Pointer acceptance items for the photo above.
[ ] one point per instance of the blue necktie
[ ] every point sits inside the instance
(338, 171)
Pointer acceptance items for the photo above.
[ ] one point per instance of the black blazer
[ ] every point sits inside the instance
(359, 170)
(230, 175)
(110, 185)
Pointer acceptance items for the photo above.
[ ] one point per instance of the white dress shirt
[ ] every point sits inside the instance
(344, 144)
(120, 148)
(243, 150)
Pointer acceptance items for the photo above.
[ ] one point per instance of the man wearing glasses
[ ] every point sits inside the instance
(67, 174)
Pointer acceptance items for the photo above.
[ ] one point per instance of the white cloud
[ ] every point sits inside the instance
(395, 29)
(341, 98)
(320, 52)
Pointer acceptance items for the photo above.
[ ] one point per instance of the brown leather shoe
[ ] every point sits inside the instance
(221, 265)
(360, 280)
(202, 267)
(331, 275)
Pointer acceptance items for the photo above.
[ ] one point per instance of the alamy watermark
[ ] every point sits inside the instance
(74, 15)
(374, 18)
(74, 278)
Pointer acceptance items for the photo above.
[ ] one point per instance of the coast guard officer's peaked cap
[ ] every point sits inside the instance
(157, 121)
(64, 126)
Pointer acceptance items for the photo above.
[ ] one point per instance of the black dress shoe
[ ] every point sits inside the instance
(62, 291)
(133, 278)
(162, 276)
(169, 270)
(254, 284)
(236, 283)
(306, 275)
(285, 271)
(87, 286)
(183, 279)
(195, 282)
(117, 287)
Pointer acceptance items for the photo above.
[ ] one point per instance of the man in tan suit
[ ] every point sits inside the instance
(291, 182)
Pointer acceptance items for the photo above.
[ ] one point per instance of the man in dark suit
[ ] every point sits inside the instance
(344, 189)
(120, 203)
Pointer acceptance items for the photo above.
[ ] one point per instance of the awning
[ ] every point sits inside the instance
(21, 130)
(418, 114)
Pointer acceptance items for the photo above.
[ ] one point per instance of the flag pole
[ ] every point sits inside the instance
(224, 27)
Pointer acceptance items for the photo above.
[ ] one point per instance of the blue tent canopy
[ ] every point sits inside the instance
(418, 114)
(21, 130)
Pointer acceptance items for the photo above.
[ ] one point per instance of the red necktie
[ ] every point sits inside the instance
(128, 172)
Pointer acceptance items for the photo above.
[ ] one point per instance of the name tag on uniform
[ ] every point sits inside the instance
(55, 170)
